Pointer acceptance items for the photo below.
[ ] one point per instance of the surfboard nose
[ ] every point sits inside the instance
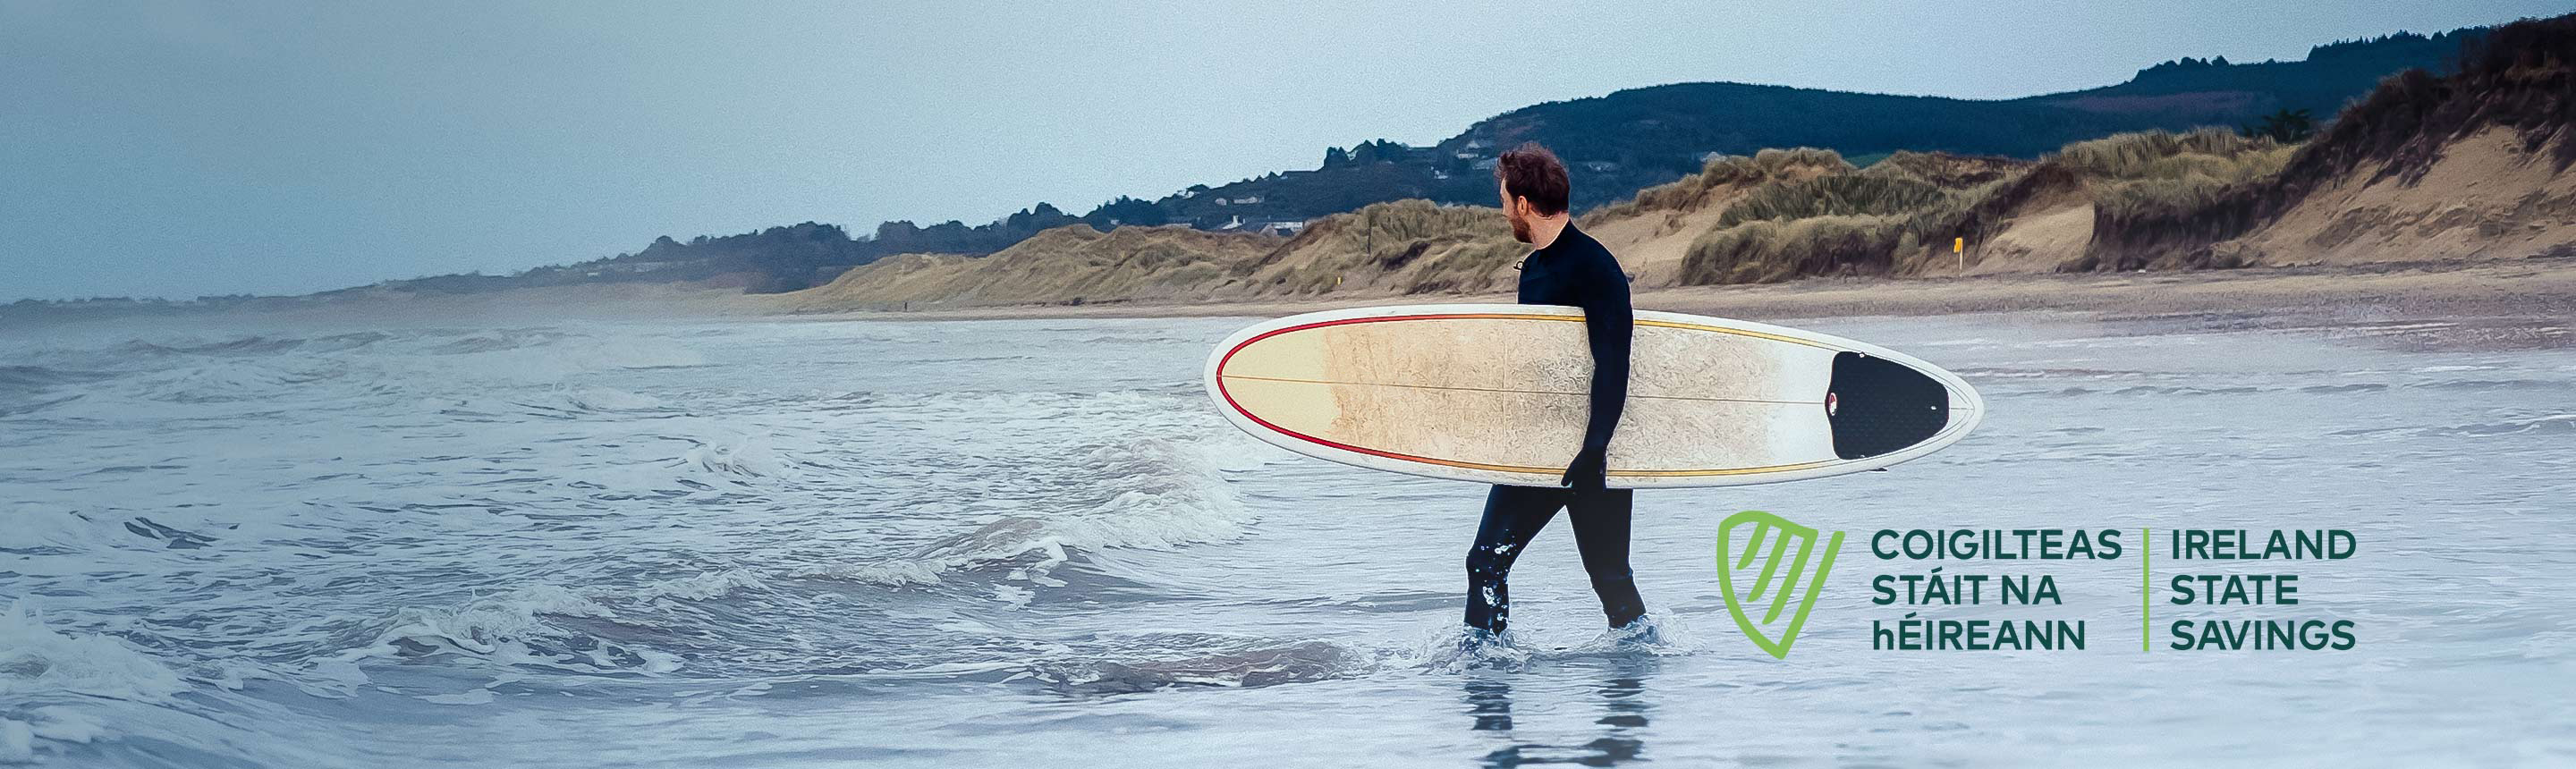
(1878, 405)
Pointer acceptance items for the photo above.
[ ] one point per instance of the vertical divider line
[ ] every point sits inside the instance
(2146, 561)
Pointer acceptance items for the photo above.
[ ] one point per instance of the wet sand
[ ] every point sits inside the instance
(2521, 293)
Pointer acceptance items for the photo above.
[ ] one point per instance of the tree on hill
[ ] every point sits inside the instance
(1126, 210)
(1378, 151)
(2289, 126)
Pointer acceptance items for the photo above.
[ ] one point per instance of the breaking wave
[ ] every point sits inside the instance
(1148, 493)
(50, 681)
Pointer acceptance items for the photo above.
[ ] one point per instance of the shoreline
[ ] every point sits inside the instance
(2543, 289)
(2517, 287)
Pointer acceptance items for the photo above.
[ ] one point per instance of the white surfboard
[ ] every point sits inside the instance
(1499, 393)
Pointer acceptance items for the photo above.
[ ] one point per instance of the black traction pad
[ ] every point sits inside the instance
(1877, 406)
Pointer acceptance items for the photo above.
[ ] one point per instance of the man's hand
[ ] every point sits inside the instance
(1588, 471)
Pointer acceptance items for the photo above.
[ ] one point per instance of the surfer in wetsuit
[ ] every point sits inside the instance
(1568, 268)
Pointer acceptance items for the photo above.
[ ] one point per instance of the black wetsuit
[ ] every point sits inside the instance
(1573, 270)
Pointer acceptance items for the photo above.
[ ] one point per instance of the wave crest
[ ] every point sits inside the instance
(1145, 493)
(47, 676)
(512, 629)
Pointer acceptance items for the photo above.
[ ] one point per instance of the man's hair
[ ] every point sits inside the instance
(1530, 171)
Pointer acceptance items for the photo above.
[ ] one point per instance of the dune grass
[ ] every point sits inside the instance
(1767, 250)
(1406, 246)
(1723, 174)
(1836, 195)
(1907, 208)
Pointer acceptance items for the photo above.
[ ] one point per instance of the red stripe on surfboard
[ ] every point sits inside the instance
(1221, 389)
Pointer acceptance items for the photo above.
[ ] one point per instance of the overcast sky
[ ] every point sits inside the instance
(181, 148)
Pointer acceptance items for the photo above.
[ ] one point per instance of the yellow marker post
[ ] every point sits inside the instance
(1960, 246)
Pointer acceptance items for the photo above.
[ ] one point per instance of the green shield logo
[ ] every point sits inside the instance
(1755, 535)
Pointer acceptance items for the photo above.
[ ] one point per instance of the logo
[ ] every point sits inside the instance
(1758, 594)
(1831, 403)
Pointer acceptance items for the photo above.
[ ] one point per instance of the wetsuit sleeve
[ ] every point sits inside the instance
(1608, 324)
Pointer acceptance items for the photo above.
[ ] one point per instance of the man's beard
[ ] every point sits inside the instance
(1520, 228)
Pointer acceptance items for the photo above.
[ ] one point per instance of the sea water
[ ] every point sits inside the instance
(248, 542)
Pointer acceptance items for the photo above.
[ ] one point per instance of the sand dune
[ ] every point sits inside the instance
(1403, 247)
(2485, 198)
(1067, 265)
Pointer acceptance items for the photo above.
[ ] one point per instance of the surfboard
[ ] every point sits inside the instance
(1499, 393)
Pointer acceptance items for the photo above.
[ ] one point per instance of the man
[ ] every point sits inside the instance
(1568, 268)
